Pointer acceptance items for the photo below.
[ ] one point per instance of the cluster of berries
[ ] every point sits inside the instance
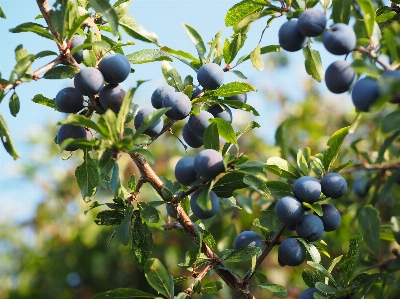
(290, 211)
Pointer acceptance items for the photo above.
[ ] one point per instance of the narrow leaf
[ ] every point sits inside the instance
(123, 231)
(61, 72)
(148, 55)
(369, 224)
(276, 289)
(225, 130)
(334, 143)
(14, 104)
(142, 242)
(211, 137)
(137, 31)
(35, 28)
(313, 63)
(197, 40)
(256, 59)
(103, 7)
(232, 89)
(368, 14)
(158, 277)
(87, 176)
(6, 139)
(240, 10)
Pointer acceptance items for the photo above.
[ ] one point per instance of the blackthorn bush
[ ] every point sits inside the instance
(198, 211)
(291, 252)
(69, 100)
(333, 185)
(115, 68)
(154, 129)
(70, 131)
(112, 96)
(209, 163)
(290, 38)
(89, 81)
(210, 76)
(307, 189)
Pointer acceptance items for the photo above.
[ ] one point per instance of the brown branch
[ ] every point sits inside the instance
(35, 74)
(199, 276)
(274, 241)
(372, 54)
(367, 166)
(148, 175)
(166, 128)
(46, 10)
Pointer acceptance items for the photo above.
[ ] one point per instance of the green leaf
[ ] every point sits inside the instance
(61, 72)
(369, 224)
(256, 183)
(239, 105)
(263, 50)
(213, 287)
(89, 58)
(2, 14)
(325, 288)
(347, 266)
(172, 76)
(6, 139)
(279, 189)
(14, 104)
(239, 74)
(129, 25)
(87, 176)
(230, 182)
(250, 126)
(232, 48)
(77, 24)
(211, 137)
(311, 249)
(341, 11)
(313, 63)
(385, 17)
(93, 206)
(368, 14)
(148, 55)
(322, 270)
(22, 67)
(109, 217)
(256, 59)
(282, 168)
(123, 231)
(42, 100)
(276, 289)
(148, 213)
(124, 111)
(124, 293)
(46, 53)
(310, 278)
(80, 120)
(158, 277)
(93, 45)
(334, 143)
(142, 242)
(303, 160)
(233, 88)
(391, 122)
(204, 199)
(240, 10)
(225, 130)
(35, 28)
(231, 202)
(388, 142)
(182, 55)
(395, 226)
(104, 8)
(243, 254)
(59, 18)
(197, 41)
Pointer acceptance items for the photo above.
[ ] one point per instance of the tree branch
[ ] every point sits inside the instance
(372, 54)
(372, 167)
(45, 9)
(148, 175)
(35, 74)
(274, 241)
(198, 277)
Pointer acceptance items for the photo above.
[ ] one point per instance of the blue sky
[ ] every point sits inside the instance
(165, 18)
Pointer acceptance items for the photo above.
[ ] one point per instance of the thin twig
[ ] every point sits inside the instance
(35, 74)
(199, 276)
(372, 54)
(274, 241)
(367, 166)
